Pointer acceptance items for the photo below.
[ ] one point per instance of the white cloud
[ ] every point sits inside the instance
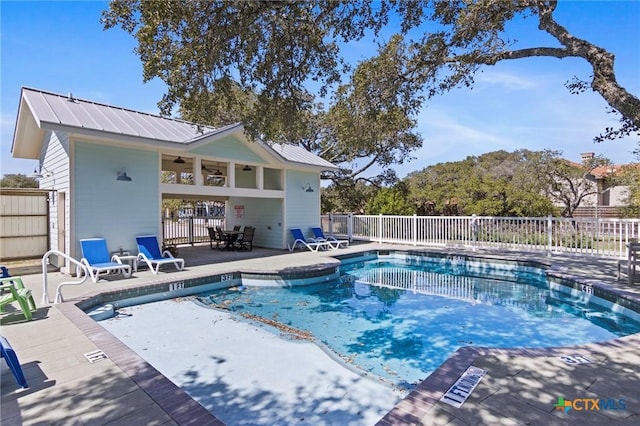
(508, 81)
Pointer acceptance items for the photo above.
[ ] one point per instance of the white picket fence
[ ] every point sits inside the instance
(584, 236)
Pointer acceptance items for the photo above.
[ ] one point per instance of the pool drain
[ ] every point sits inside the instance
(95, 356)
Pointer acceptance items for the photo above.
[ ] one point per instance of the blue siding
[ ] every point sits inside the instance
(230, 148)
(303, 208)
(263, 213)
(112, 209)
(55, 159)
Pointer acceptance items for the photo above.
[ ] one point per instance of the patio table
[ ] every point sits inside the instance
(230, 237)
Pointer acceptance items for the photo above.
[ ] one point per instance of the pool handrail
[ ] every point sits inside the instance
(45, 262)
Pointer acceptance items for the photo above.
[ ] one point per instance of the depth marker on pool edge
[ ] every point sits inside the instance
(462, 388)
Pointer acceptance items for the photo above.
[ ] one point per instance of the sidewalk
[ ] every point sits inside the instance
(520, 387)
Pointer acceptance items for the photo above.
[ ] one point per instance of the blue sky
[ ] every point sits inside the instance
(61, 47)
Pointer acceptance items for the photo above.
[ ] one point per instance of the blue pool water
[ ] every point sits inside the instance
(401, 321)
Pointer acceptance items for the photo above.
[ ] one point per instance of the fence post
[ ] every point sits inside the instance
(190, 230)
(549, 234)
(330, 223)
(350, 227)
(415, 229)
(474, 231)
(380, 229)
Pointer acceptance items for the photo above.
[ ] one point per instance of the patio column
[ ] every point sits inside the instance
(197, 171)
(231, 174)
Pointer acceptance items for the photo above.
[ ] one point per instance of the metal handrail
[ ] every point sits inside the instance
(45, 260)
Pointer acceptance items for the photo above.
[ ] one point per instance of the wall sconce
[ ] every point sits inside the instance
(307, 188)
(122, 176)
(40, 175)
(179, 160)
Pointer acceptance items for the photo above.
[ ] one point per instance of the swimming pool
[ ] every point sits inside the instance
(192, 359)
(400, 318)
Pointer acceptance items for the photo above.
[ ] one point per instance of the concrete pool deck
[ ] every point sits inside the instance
(520, 386)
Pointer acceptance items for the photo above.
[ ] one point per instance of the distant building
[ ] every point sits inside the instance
(609, 198)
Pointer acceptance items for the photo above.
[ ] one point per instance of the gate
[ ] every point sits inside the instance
(24, 223)
(189, 229)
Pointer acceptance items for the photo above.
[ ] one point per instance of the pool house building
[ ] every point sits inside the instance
(109, 169)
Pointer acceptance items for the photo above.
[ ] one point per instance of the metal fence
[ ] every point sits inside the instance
(189, 230)
(585, 236)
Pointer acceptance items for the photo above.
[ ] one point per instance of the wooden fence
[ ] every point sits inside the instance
(24, 223)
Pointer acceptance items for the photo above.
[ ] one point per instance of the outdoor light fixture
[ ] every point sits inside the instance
(40, 175)
(246, 168)
(307, 188)
(179, 160)
(122, 176)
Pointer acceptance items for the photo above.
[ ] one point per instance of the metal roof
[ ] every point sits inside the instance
(65, 112)
(298, 154)
(51, 108)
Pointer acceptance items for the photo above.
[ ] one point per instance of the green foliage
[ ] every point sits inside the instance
(346, 197)
(18, 181)
(282, 54)
(391, 201)
(577, 241)
(493, 184)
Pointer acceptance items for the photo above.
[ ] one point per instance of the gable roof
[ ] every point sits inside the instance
(297, 154)
(40, 111)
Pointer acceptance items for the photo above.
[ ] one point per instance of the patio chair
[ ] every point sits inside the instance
(309, 243)
(632, 261)
(7, 352)
(149, 252)
(13, 290)
(245, 242)
(95, 256)
(214, 236)
(224, 238)
(334, 242)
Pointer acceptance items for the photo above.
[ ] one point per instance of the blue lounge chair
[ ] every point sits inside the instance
(149, 252)
(95, 257)
(7, 352)
(335, 243)
(309, 243)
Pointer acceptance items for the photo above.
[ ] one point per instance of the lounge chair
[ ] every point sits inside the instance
(95, 257)
(309, 243)
(245, 242)
(13, 290)
(149, 252)
(7, 352)
(335, 243)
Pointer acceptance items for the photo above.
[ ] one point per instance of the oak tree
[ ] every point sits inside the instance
(285, 55)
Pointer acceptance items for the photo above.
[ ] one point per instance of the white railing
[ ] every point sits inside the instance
(45, 262)
(584, 236)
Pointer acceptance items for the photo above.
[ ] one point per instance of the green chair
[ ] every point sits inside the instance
(12, 290)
